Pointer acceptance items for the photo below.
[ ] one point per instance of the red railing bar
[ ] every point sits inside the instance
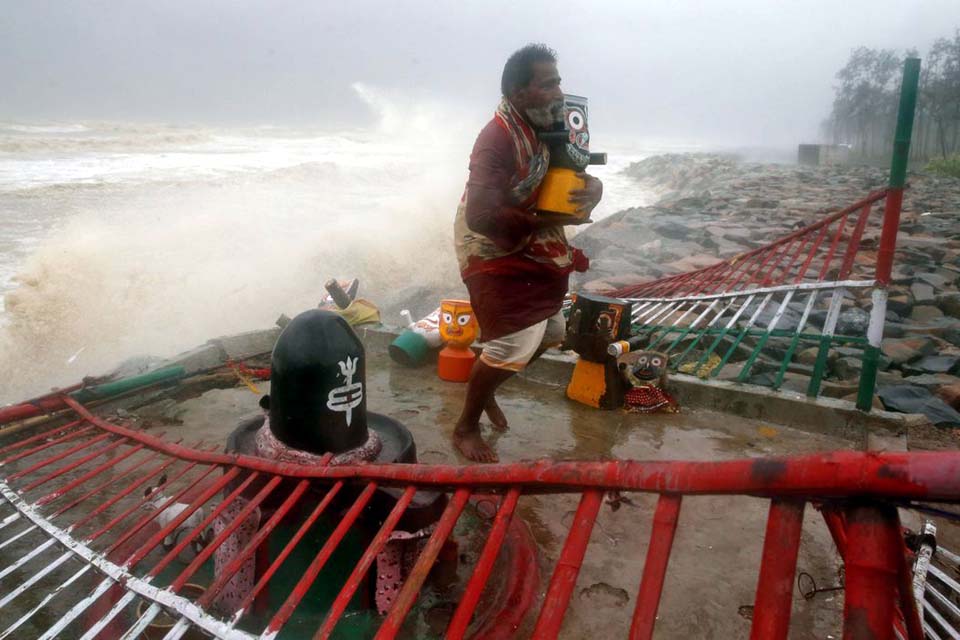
(171, 526)
(655, 567)
(262, 533)
(60, 456)
(138, 466)
(264, 579)
(358, 575)
(853, 245)
(888, 234)
(40, 436)
(634, 291)
(740, 270)
(565, 574)
(916, 475)
(47, 403)
(313, 570)
(52, 443)
(481, 571)
(778, 565)
(53, 495)
(152, 514)
(835, 524)
(786, 249)
(56, 473)
(130, 489)
(752, 266)
(210, 548)
(796, 258)
(908, 603)
(418, 575)
(870, 595)
(828, 259)
(810, 256)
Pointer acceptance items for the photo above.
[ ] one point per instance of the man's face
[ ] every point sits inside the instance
(542, 99)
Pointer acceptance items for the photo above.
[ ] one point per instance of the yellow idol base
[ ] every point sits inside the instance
(555, 191)
(588, 384)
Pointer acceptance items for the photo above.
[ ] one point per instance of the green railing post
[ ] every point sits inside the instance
(888, 237)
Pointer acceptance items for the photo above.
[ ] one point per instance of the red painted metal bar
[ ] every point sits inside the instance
(209, 549)
(37, 406)
(56, 493)
(481, 572)
(40, 436)
(914, 475)
(888, 235)
(130, 489)
(641, 290)
(778, 565)
(181, 517)
(812, 254)
(913, 621)
(52, 443)
(56, 473)
(265, 577)
(828, 259)
(263, 532)
(565, 574)
(358, 575)
(873, 544)
(655, 567)
(853, 244)
(418, 575)
(300, 590)
(137, 467)
(151, 516)
(184, 541)
(794, 259)
(770, 279)
(60, 456)
(835, 524)
(747, 268)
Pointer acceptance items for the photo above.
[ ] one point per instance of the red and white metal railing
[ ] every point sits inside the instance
(77, 498)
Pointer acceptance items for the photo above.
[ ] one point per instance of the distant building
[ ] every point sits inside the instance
(823, 154)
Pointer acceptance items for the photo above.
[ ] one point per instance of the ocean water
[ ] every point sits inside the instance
(122, 239)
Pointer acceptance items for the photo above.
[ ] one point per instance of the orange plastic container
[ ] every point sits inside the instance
(454, 365)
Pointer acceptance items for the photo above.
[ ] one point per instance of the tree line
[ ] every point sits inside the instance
(865, 103)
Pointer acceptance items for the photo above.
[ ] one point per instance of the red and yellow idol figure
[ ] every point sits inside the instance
(458, 329)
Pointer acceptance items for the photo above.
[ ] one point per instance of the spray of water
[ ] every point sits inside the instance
(159, 262)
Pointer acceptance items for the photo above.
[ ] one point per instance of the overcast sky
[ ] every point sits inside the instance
(732, 71)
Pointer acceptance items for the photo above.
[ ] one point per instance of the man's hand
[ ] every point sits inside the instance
(588, 197)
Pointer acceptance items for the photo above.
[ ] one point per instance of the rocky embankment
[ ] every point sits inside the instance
(713, 207)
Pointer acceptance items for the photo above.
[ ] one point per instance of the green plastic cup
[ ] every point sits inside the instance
(409, 349)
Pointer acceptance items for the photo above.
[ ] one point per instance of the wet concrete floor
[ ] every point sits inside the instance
(713, 569)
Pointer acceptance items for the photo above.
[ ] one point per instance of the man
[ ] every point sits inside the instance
(514, 261)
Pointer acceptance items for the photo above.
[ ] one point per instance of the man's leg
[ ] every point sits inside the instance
(501, 359)
(552, 337)
(481, 387)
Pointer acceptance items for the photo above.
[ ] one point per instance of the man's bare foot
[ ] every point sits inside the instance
(471, 445)
(496, 416)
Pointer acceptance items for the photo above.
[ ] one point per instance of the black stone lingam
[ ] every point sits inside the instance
(318, 400)
(318, 404)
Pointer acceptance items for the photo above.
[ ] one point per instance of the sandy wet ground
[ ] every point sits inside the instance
(716, 555)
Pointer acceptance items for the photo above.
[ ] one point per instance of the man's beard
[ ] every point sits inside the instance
(545, 117)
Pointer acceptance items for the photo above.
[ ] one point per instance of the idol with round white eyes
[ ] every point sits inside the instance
(649, 367)
(458, 326)
(578, 145)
